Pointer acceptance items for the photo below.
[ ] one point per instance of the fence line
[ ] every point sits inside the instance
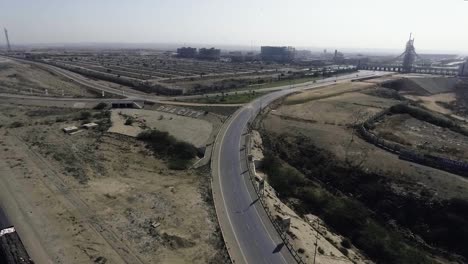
(449, 165)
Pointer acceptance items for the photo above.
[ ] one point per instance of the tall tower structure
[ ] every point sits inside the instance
(409, 55)
(463, 69)
(7, 40)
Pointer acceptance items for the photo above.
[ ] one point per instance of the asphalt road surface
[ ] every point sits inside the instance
(247, 231)
(4, 222)
(249, 235)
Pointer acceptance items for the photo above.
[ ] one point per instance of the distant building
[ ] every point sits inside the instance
(250, 56)
(236, 56)
(338, 57)
(277, 54)
(186, 52)
(463, 70)
(209, 54)
(303, 54)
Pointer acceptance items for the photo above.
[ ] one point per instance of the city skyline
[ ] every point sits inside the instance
(360, 25)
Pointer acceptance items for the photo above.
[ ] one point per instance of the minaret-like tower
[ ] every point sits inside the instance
(409, 55)
(7, 40)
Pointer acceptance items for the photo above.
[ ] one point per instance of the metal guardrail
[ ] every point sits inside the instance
(282, 233)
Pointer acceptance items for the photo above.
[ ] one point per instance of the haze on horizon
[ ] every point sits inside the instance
(360, 24)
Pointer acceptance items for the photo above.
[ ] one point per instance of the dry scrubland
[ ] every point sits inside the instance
(191, 130)
(409, 131)
(22, 78)
(393, 210)
(310, 232)
(100, 197)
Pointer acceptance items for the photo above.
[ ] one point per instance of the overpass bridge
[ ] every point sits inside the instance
(415, 69)
(410, 62)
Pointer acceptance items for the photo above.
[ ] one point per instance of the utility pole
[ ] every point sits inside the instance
(7, 40)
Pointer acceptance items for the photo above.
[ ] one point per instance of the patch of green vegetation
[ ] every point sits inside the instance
(83, 115)
(179, 153)
(100, 106)
(237, 98)
(129, 121)
(60, 119)
(283, 82)
(359, 203)
(16, 124)
(104, 120)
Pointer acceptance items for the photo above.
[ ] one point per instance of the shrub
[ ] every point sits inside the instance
(60, 119)
(178, 164)
(281, 176)
(162, 144)
(184, 150)
(16, 124)
(84, 115)
(320, 250)
(345, 243)
(344, 251)
(129, 121)
(100, 106)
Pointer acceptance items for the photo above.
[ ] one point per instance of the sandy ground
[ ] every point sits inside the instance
(192, 130)
(430, 102)
(308, 232)
(100, 199)
(326, 122)
(346, 108)
(22, 78)
(424, 136)
(325, 92)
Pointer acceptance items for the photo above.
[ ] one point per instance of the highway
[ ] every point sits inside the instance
(249, 235)
(4, 222)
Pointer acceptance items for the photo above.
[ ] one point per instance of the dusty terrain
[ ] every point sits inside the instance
(323, 121)
(326, 122)
(309, 232)
(193, 130)
(99, 197)
(423, 136)
(22, 78)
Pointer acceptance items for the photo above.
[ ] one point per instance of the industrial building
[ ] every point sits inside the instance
(236, 56)
(186, 52)
(277, 54)
(209, 54)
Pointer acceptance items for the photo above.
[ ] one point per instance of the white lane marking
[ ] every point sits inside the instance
(255, 208)
(221, 187)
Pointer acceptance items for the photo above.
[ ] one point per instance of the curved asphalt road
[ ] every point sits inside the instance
(248, 233)
(4, 222)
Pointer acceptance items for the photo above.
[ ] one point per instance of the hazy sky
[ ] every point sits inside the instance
(376, 24)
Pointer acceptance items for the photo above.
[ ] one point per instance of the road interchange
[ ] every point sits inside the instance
(247, 231)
